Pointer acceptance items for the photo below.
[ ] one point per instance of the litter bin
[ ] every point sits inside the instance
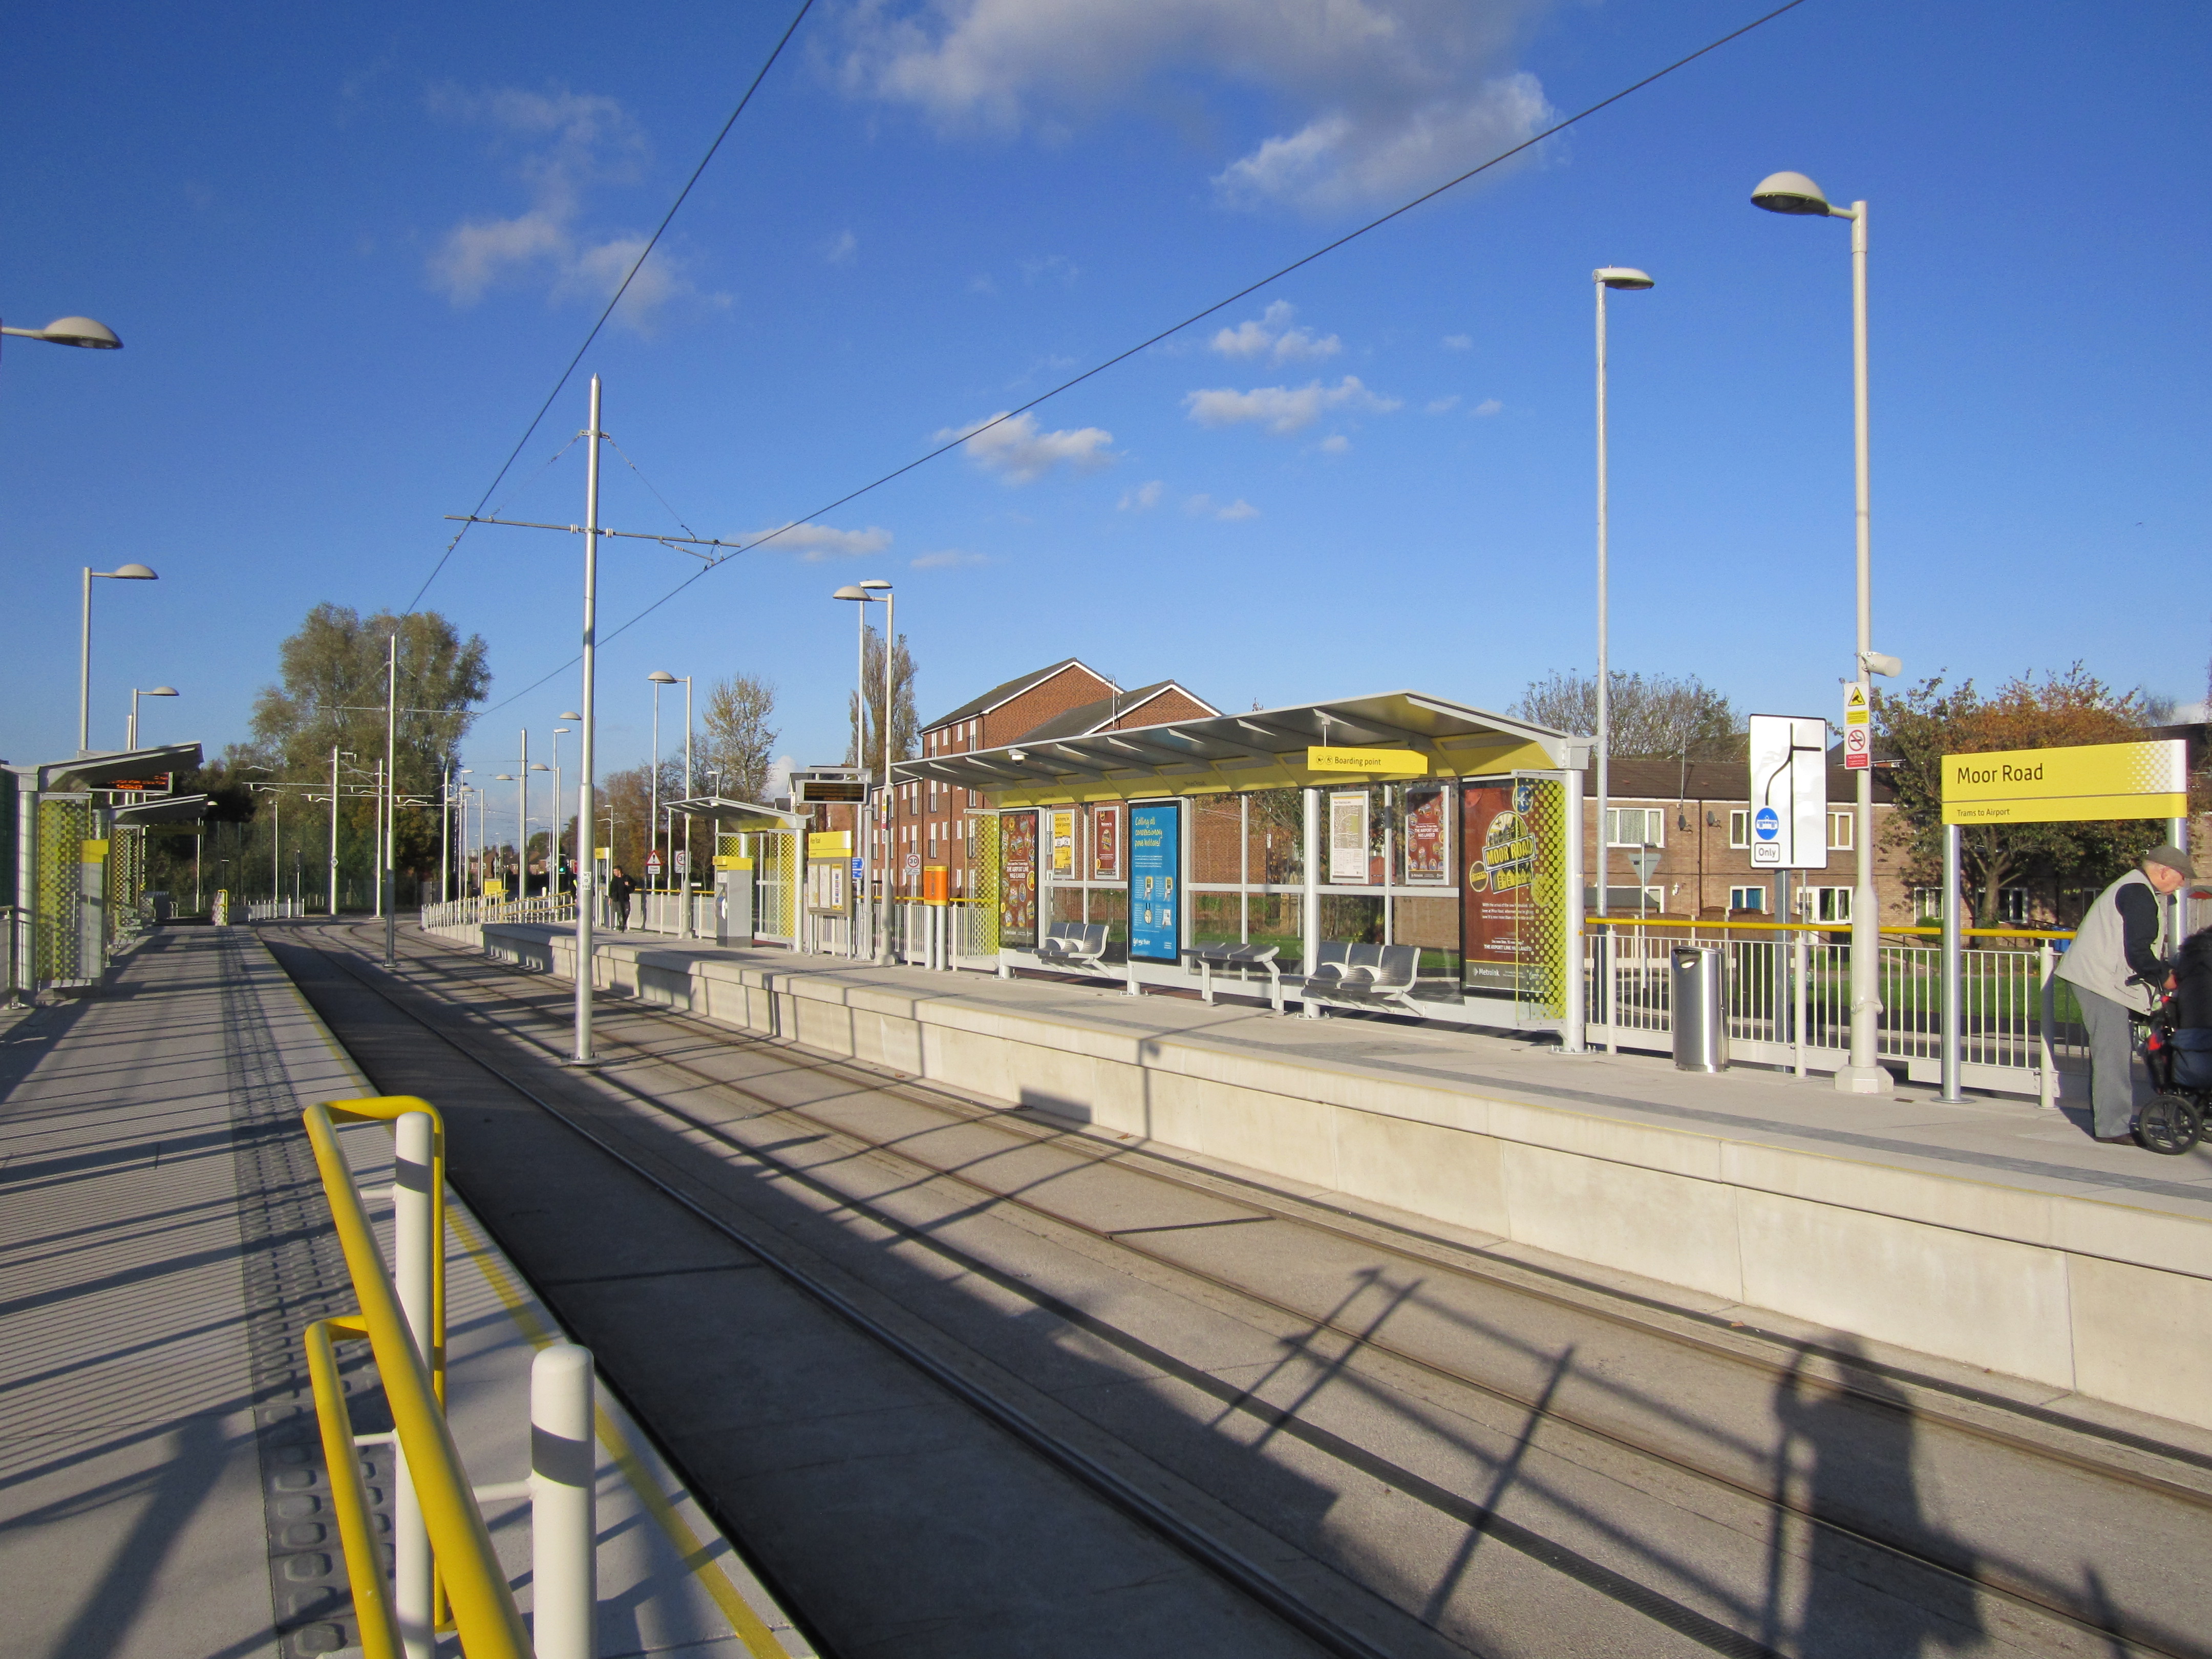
(1697, 987)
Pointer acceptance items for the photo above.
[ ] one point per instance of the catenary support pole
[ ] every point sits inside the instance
(389, 890)
(1864, 1075)
(334, 830)
(563, 1523)
(1954, 1013)
(1604, 663)
(891, 799)
(586, 816)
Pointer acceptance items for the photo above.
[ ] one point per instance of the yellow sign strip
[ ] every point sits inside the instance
(1375, 762)
(2060, 786)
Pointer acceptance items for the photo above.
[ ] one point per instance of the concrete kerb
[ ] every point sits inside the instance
(2078, 1292)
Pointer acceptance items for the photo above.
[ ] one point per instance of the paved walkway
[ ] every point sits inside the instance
(2008, 1140)
(163, 1241)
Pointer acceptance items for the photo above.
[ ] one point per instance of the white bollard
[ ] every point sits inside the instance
(563, 1504)
(414, 1143)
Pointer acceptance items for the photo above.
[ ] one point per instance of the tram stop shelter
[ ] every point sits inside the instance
(73, 845)
(769, 842)
(1437, 845)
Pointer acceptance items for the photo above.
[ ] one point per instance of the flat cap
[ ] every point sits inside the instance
(2173, 858)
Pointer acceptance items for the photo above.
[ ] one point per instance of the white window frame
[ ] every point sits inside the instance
(1836, 901)
(1654, 818)
(1739, 828)
(1758, 893)
(1843, 831)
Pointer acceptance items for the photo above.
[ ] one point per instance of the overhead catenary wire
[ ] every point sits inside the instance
(1098, 369)
(628, 276)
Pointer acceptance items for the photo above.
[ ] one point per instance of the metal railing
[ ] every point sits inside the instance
(1788, 1000)
(274, 910)
(442, 1550)
(469, 912)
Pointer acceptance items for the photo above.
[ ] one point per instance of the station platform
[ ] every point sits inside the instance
(164, 1240)
(1995, 1234)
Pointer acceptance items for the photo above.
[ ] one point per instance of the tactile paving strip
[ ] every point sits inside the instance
(293, 1274)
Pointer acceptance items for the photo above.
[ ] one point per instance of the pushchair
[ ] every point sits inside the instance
(2179, 1060)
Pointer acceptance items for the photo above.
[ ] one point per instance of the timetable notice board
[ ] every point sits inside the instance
(1155, 865)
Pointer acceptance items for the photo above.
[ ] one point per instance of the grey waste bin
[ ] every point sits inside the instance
(1698, 993)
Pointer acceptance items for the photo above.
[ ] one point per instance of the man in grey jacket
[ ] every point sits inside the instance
(2122, 936)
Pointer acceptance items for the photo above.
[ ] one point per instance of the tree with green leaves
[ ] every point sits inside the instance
(1921, 725)
(331, 695)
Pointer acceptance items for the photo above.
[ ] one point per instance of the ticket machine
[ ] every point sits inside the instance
(734, 900)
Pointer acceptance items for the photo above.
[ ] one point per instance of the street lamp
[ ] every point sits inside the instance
(865, 593)
(661, 676)
(71, 332)
(127, 573)
(130, 736)
(1627, 280)
(1794, 193)
(559, 732)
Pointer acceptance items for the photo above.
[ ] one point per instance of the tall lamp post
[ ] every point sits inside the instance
(659, 677)
(1794, 193)
(559, 732)
(1628, 280)
(130, 736)
(864, 593)
(126, 573)
(586, 720)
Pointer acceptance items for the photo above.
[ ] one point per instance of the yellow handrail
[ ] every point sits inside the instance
(483, 1609)
(372, 1597)
(374, 1109)
(1818, 927)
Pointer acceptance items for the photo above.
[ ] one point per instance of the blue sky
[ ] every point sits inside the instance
(349, 250)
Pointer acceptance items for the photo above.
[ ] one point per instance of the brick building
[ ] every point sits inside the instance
(1697, 819)
(1067, 699)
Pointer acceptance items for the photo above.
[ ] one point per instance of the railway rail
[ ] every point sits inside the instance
(2029, 1452)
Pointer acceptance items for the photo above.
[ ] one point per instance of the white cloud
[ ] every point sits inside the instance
(1272, 335)
(1335, 444)
(1144, 496)
(1488, 406)
(1284, 409)
(949, 558)
(563, 146)
(841, 251)
(1017, 451)
(1383, 96)
(1052, 265)
(1203, 506)
(1458, 342)
(1443, 405)
(816, 542)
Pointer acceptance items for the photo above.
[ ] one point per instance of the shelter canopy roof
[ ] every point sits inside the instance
(1265, 749)
(737, 814)
(165, 809)
(99, 769)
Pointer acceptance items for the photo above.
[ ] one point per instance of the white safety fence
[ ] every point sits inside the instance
(274, 910)
(1789, 1005)
(468, 912)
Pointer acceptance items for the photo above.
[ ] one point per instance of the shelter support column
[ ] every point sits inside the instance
(1574, 980)
(1309, 899)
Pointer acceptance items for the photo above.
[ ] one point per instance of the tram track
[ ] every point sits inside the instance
(1740, 1348)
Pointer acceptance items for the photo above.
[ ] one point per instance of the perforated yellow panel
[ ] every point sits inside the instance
(776, 885)
(1543, 987)
(57, 948)
(983, 894)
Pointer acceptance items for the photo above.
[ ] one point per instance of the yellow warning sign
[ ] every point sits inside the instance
(1855, 704)
(1375, 762)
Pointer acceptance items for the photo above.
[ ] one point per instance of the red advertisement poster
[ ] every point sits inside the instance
(1428, 852)
(1017, 880)
(1500, 849)
(1106, 842)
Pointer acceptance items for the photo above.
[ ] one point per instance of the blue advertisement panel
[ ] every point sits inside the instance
(1155, 866)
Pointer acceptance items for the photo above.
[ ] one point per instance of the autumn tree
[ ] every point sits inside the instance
(1921, 725)
(740, 744)
(1650, 716)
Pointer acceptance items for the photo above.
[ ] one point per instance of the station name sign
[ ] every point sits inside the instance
(1375, 763)
(2064, 786)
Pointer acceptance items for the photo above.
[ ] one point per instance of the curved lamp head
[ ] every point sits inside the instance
(80, 331)
(539, 766)
(1621, 276)
(560, 731)
(160, 691)
(661, 676)
(1790, 192)
(571, 715)
(874, 585)
(502, 777)
(129, 572)
(849, 592)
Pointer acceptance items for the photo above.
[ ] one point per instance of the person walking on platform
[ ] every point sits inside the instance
(619, 888)
(2120, 939)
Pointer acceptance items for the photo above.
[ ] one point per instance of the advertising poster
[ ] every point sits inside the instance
(1347, 839)
(1106, 842)
(1428, 849)
(1155, 861)
(1500, 849)
(1063, 845)
(1017, 880)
